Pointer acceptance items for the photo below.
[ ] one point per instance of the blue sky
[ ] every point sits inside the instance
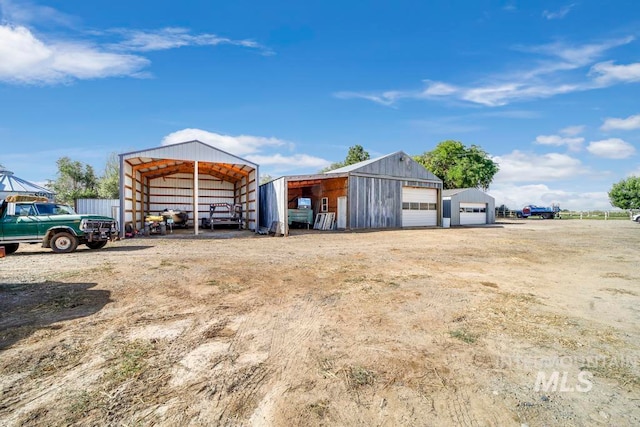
(550, 89)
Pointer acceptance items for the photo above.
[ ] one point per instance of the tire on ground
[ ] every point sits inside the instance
(64, 242)
(96, 245)
(10, 248)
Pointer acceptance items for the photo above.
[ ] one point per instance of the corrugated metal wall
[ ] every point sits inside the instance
(273, 203)
(105, 207)
(472, 195)
(374, 202)
(176, 192)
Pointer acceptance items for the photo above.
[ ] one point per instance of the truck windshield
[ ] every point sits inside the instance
(54, 209)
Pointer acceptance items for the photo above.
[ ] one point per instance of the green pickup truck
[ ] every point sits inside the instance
(30, 219)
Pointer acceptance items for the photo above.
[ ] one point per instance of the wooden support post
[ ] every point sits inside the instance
(195, 198)
(246, 201)
(134, 190)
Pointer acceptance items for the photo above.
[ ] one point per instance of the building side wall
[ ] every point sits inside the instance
(374, 203)
(273, 203)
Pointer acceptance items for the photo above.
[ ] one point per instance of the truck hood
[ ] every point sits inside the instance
(79, 217)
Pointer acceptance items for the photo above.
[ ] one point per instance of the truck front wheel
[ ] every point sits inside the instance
(96, 245)
(10, 248)
(64, 242)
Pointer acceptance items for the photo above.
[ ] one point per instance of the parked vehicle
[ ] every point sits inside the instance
(31, 219)
(636, 218)
(543, 212)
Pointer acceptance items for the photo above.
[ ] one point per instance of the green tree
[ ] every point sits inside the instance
(355, 155)
(109, 182)
(74, 181)
(265, 178)
(626, 193)
(459, 166)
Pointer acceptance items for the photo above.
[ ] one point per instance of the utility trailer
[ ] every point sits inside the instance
(223, 214)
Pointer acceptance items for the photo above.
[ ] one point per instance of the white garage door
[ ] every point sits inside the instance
(473, 213)
(419, 207)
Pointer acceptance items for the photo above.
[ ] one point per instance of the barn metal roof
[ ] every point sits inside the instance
(455, 191)
(395, 165)
(180, 158)
(354, 167)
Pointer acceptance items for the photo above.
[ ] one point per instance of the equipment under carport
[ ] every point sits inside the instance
(303, 215)
(223, 214)
(175, 218)
(154, 224)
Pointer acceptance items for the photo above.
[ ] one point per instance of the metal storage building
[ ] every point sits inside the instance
(468, 206)
(11, 184)
(188, 176)
(391, 191)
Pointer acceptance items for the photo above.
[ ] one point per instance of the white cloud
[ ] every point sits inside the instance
(498, 95)
(546, 77)
(385, 98)
(612, 148)
(24, 12)
(252, 148)
(559, 14)
(438, 89)
(571, 56)
(240, 145)
(607, 73)
(572, 130)
(630, 123)
(527, 167)
(517, 196)
(28, 60)
(282, 163)
(27, 57)
(172, 38)
(573, 143)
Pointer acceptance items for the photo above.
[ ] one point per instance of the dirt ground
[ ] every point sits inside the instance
(533, 322)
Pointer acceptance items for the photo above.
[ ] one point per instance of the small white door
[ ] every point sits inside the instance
(341, 222)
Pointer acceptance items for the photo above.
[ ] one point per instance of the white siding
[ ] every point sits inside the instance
(176, 192)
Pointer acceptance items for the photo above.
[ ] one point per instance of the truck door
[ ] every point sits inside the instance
(23, 225)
